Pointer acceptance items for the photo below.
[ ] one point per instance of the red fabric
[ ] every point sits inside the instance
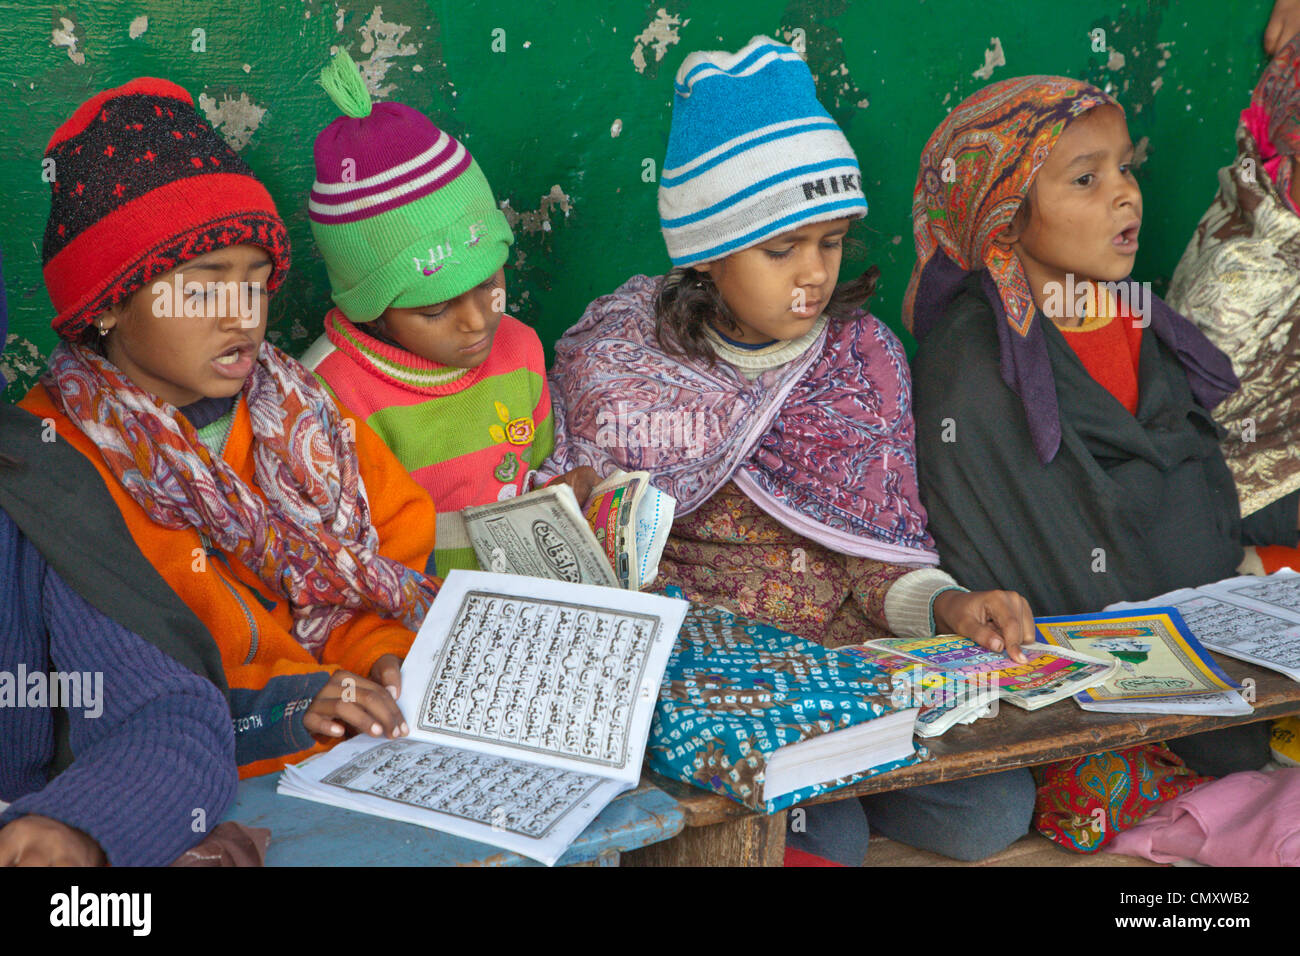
(795, 857)
(1110, 354)
(1084, 803)
(1275, 557)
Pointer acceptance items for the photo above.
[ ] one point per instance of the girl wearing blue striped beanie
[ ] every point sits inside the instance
(758, 392)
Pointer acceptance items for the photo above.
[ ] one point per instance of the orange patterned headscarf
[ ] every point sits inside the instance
(975, 171)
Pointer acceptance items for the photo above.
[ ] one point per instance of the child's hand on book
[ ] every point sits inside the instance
(998, 620)
(581, 480)
(365, 706)
(35, 840)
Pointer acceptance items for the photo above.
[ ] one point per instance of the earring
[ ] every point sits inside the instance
(102, 331)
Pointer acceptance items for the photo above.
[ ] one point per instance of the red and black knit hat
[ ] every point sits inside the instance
(142, 183)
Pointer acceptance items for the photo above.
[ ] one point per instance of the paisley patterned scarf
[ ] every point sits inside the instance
(1239, 281)
(310, 542)
(825, 443)
(975, 171)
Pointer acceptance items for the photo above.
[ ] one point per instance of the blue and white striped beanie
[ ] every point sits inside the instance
(751, 154)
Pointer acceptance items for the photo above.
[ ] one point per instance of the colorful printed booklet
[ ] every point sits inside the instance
(544, 534)
(770, 719)
(1048, 676)
(944, 700)
(1160, 667)
(529, 704)
(1252, 618)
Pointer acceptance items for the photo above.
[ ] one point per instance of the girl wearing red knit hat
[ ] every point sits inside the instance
(292, 532)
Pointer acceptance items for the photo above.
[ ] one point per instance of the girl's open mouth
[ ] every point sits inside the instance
(235, 362)
(1127, 240)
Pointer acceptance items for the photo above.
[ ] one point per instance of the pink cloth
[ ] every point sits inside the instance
(1243, 819)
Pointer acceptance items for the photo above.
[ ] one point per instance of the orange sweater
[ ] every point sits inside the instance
(250, 624)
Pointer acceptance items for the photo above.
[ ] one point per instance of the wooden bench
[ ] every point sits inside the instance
(304, 833)
(721, 832)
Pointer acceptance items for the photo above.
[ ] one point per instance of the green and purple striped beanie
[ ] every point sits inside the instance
(401, 213)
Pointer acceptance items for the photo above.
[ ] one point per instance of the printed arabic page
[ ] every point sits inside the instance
(533, 810)
(541, 534)
(561, 674)
(1233, 617)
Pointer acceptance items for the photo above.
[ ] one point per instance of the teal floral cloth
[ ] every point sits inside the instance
(736, 690)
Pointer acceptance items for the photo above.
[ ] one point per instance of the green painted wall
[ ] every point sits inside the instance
(540, 117)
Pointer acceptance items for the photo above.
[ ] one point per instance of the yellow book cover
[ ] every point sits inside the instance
(1158, 655)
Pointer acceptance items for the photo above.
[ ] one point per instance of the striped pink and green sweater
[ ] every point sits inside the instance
(468, 436)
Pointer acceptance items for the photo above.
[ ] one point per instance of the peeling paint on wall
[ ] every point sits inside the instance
(138, 27)
(235, 119)
(660, 33)
(1115, 61)
(383, 41)
(66, 35)
(1140, 152)
(615, 128)
(538, 220)
(993, 58)
(824, 53)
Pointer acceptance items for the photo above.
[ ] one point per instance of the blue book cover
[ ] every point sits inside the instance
(737, 690)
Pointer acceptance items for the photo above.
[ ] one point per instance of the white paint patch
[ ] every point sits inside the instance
(66, 35)
(248, 68)
(338, 19)
(383, 41)
(235, 119)
(538, 220)
(993, 58)
(1115, 61)
(138, 27)
(660, 33)
(615, 128)
(1140, 152)
(1158, 82)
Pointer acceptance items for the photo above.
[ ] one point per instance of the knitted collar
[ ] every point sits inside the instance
(770, 356)
(397, 365)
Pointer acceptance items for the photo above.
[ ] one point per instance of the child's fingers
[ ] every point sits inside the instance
(320, 724)
(373, 711)
(388, 673)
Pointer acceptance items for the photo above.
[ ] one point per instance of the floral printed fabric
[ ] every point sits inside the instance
(307, 536)
(1084, 803)
(729, 552)
(736, 690)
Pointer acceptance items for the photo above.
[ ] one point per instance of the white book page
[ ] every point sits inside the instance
(566, 675)
(533, 810)
(1245, 617)
(1226, 704)
(542, 534)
